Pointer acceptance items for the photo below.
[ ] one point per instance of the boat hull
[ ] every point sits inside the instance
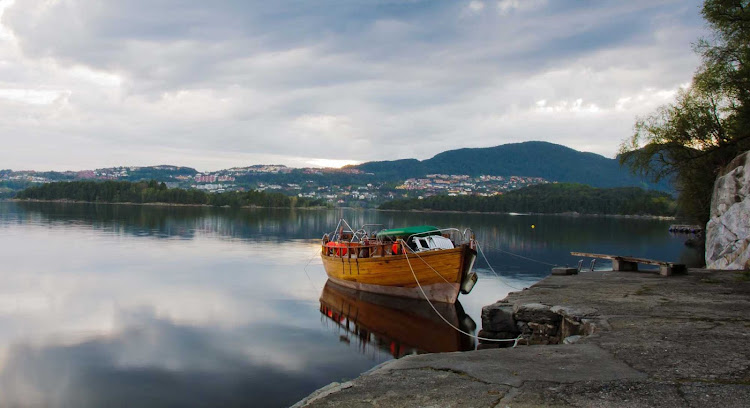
(402, 326)
(439, 273)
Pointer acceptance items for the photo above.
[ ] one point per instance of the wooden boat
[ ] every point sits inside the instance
(415, 262)
(397, 325)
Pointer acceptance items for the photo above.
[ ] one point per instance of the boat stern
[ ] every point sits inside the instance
(468, 276)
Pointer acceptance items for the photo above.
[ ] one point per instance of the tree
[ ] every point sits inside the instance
(690, 140)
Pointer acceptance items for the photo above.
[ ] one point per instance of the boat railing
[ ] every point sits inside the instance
(469, 235)
(345, 232)
(371, 230)
(365, 249)
(346, 242)
(342, 229)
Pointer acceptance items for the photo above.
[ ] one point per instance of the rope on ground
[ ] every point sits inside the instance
(493, 270)
(515, 340)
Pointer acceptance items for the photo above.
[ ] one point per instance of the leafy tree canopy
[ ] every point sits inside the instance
(708, 124)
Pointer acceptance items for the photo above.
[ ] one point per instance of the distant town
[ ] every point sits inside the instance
(337, 186)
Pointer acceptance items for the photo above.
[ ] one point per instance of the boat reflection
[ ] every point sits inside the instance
(399, 326)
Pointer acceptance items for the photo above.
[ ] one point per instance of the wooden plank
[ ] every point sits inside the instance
(644, 260)
(630, 263)
(589, 255)
(623, 258)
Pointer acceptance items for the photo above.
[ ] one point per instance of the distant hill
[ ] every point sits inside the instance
(155, 192)
(534, 159)
(162, 172)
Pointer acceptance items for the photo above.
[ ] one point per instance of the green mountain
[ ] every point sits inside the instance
(533, 159)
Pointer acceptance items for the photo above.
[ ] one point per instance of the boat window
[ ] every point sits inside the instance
(419, 244)
(430, 243)
(439, 242)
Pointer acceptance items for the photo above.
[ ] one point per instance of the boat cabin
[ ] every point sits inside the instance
(372, 240)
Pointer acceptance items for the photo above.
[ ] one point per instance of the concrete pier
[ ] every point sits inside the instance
(678, 342)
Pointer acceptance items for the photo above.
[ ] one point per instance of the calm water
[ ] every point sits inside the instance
(109, 305)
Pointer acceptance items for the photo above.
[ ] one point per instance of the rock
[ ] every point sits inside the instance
(571, 339)
(728, 230)
(564, 270)
(498, 317)
(544, 333)
(508, 339)
(570, 327)
(591, 326)
(497, 335)
(543, 329)
(536, 312)
(487, 346)
(575, 313)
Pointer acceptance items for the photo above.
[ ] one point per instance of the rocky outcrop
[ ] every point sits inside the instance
(728, 230)
(536, 323)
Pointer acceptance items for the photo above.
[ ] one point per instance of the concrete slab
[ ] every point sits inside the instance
(560, 363)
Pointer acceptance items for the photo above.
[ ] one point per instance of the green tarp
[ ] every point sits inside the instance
(406, 231)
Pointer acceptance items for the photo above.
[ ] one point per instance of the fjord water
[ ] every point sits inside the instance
(118, 305)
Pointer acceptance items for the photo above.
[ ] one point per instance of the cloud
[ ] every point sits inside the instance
(476, 5)
(567, 107)
(33, 96)
(505, 7)
(243, 82)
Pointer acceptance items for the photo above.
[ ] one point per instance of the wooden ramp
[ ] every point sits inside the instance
(630, 263)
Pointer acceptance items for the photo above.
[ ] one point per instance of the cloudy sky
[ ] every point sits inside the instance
(215, 84)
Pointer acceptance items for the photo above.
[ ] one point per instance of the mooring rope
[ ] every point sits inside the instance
(524, 257)
(492, 269)
(315, 288)
(425, 262)
(515, 340)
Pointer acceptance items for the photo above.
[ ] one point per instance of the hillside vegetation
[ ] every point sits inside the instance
(154, 192)
(552, 199)
(532, 159)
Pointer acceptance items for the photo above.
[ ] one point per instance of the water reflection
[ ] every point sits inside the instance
(551, 238)
(398, 326)
(175, 221)
(107, 305)
(153, 362)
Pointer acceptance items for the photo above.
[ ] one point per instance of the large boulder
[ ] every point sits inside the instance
(498, 317)
(537, 313)
(728, 230)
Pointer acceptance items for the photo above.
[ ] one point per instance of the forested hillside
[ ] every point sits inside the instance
(532, 159)
(551, 199)
(155, 192)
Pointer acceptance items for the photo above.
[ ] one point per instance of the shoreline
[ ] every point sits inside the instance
(654, 341)
(160, 204)
(517, 214)
(153, 204)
